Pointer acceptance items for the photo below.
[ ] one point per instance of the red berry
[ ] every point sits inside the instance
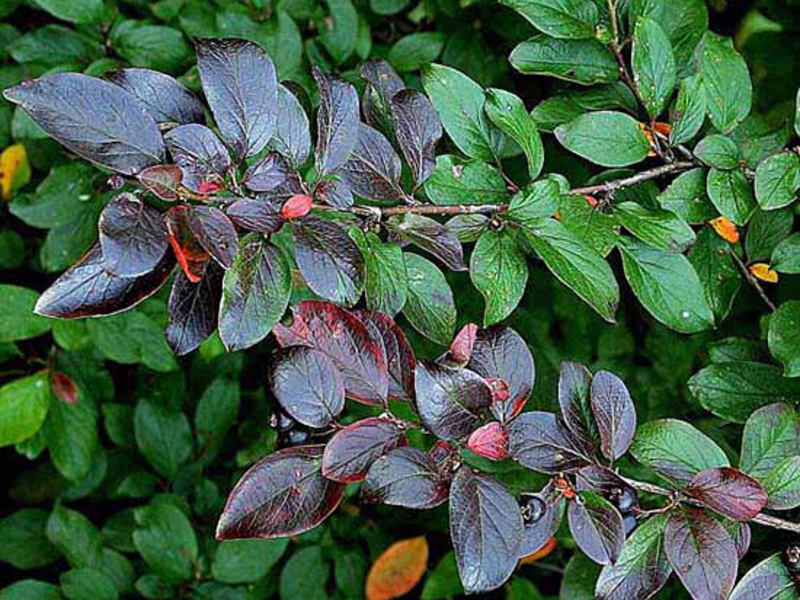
(297, 206)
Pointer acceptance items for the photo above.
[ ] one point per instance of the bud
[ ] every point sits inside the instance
(209, 187)
(297, 206)
(64, 387)
(499, 389)
(662, 128)
(489, 441)
(591, 200)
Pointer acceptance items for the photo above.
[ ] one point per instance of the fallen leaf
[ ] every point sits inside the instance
(395, 572)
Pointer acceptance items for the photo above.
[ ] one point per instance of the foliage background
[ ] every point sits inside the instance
(143, 466)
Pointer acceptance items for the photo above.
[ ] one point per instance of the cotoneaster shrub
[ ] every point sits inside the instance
(321, 251)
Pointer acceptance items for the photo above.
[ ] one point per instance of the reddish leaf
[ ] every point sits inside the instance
(87, 289)
(574, 381)
(445, 455)
(398, 569)
(702, 554)
(460, 350)
(163, 180)
(267, 174)
(191, 256)
(418, 128)
(283, 494)
(193, 309)
(537, 440)
(489, 441)
(346, 341)
(614, 414)
(405, 477)
(431, 236)
(164, 98)
(399, 355)
(500, 391)
(215, 233)
(729, 492)
(373, 169)
(202, 157)
(64, 387)
(596, 527)
(337, 122)
(350, 453)
(297, 206)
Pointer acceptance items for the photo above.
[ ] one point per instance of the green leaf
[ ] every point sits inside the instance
(75, 11)
(676, 450)
(718, 151)
(540, 199)
(734, 390)
(667, 286)
(499, 271)
(767, 229)
(784, 337)
(430, 307)
(388, 7)
(385, 279)
(507, 112)
(459, 102)
(786, 256)
(573, 19)
(442, 581)
(87, 584)
(71, 434)
(772, 570)
(687, 197)
(726, 81)
(163, 435)
(165, 539)
(130, 338)
(574, 263)
(350, 571)
(414, 51)
(690, 110)
(581, 61)
(458, 181)
(17, 320)
(660, 228)
(23, 542)
(580, 578)
(23, 407)
(777, 180)
(337, 31)
(597, 229)
(607, 138)
(217, 409)
(54, 45)
(721, 280)
(63, 193)
(30, 589)
(75, 537)
(305, 574)
(782, 484)
(684, 22)
(152, 46)
(243, 561)
(731, 194)
(653, 65)
(771, 434)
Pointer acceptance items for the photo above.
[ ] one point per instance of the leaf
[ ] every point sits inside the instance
(786, 256)
(87, 289)
(383, 84)
(260, 214)
(731, 194)
(431, 236)
(653, 65)
(304, 574)
(292, 135)
(429, 307)
(459, 102)
(770, 434)
(571, 19)
(398, 569)
(15, 171)
(607, 138)
(596, 527)
(508, 113)
(676, 450)
(783, 339)
(574, 382)
(349, 454)
(539, 442)
(418, 129)
(642, 568)
(23, 543)
(667, 286)
(660, 228)
(690, 110)
(456, 181)
(97, 120)
(162, 180)
(193, 309)
(201, 156)
(729, 492)
(268, 173)
(359, 358)
(575, 264)
(307, 385)
(163, 435)
(215, 233)
(400, 360)
(405, 477)
(489, 441)
(241, 88)
(74, 536)
(80, 11)
(24, 404)
(373, 168)
(768, 579)
(245, 561)
(70, 431)
(337, 122)
(766, 230)
(686, 196)
(614, 414)
(448, 401)
(486, 529)
(777, 180)
(718, 151)
(145, 45)
(600, 231)
(581, 61)
(782, 484)
(165, 539)
(537, 200)
(85, 583)
(721, 280)
(702, 553)
(414, 51)
(734, 390)
(385, 280)
(281, 495)
(164, 97)
(17, 320)
(726, 81)
(499, 271)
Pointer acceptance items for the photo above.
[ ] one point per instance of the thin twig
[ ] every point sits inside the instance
(753, 281)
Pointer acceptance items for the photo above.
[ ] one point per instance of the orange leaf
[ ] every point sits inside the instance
(764, 273)
(591, 200)
(662, 128)
(14, 169)
(548, 547)
(398, 569)
(725, 229)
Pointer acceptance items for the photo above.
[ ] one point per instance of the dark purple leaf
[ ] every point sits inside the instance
(574, 381)
(768, 580)
(729, 492)
(405, 477)
(191, 256)
(329, 260)
(431, 236)
(337, 122)
(346, 341)
(448, 400)
(446, 457)
(215, 233)
(537, 440)
(702, 554)
(281, 495)
(350, 453)
(489, 441)
(87, 289)
(400, 359)
(742, 535)
(95, 119)
(133, 236)
(307, 385)
(614, 414)
(255, 293)
(383, 84)
(241, 88)
(500, 353)
(162, 180)
(598, 478)
(292, 138)
(334, 192)
(418, 128)
(486, 528)
(193, 309)
(539, 532)
(255, 215)
(268, 173)
(201, 156)
(164, 98)
(373, 169)
(596, 527)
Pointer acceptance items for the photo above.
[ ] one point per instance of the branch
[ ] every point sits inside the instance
(753, 281)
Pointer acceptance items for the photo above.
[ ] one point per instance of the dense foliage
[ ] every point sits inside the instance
(317, 205)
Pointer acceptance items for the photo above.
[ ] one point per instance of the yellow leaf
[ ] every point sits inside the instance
(725, 229)
(14, 169)
(395, 572)
(764, 273)
(548, 547)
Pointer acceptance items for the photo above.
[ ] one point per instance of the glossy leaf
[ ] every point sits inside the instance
(539, 442)
(163, 180)
(267, 174)
(596, 527)
(574, 381)
(731, 194)
(201, 156)
(418, 129)
(729, 492)
(193, 309)
(24, 404)
(431, 236)
(607, 138)
(777, 180)
(165, 99)
(782, 484)
(385, 279)
(489, 441)
(400, 360)
(191, 256)
(499, 271)
(721, 279)
(292, 135)
(660, 228)
(350, 453)
(571, 19)
(405, 477)
(459, 181)
(337, 122)
(653, 65)
(768, 579)
(581, 61)
(334, 192)
(690, 110)
(508, 113)
(215, 233)
(383, 84)
(373, 168)
(430, 307)
(614, 414)
(770, 434)
(726, 81)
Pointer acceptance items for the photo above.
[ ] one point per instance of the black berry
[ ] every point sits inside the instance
(293, 437)
(281, 421)
(791, 559)
(532, 508)
(629, 522)
(624, 498)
